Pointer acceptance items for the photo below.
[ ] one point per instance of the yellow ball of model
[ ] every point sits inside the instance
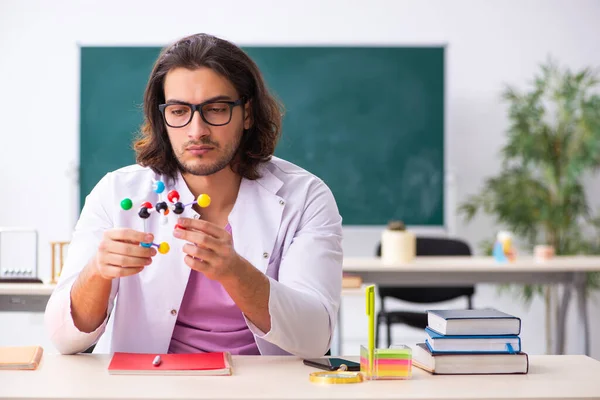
(164, 248)
(203, 200)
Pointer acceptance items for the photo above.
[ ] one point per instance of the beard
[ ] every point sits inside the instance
(192, 167)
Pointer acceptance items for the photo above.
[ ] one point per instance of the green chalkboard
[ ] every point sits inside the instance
(368, 120)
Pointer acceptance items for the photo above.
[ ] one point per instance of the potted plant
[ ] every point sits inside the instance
(553, 141)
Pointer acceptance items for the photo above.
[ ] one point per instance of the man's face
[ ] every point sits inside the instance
(200, 148)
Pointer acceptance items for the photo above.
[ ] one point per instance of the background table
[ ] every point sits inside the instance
(456, 271)
(424, 271)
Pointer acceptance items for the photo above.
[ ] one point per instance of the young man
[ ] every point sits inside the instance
(258, 272)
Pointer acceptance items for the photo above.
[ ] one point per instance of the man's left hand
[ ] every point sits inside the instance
(210, 248)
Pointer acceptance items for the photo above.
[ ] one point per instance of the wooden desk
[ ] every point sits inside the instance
(453, 271)
(260, 377)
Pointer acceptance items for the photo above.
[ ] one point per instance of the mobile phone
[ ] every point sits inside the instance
(332, 364)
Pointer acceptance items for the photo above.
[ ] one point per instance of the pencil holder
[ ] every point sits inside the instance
(392, 363)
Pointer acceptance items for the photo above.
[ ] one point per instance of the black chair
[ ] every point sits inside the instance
(426, 246)
(89, 350)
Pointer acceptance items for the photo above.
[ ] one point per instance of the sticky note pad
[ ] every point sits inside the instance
(392, 363)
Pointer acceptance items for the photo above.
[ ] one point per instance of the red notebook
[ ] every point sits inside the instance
(170, 364)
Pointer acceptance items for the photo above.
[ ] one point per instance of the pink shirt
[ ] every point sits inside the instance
(209, 320)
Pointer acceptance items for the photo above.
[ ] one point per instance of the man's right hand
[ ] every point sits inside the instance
(120, 254)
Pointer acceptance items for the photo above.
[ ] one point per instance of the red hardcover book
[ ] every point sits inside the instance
(170, 364)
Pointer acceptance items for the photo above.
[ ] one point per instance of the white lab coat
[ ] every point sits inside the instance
(286, 224)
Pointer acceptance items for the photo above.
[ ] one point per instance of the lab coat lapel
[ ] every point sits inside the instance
(256, 218)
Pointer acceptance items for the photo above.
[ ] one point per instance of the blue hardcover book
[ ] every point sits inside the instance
(485, 321)
(439, 344)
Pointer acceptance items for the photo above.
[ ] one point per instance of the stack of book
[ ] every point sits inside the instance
(480, 341)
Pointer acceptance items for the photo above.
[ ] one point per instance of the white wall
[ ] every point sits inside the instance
(489, 43)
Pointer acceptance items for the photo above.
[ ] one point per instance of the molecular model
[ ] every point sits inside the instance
(163, 207)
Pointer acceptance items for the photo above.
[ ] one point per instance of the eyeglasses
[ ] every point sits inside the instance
(215, 113)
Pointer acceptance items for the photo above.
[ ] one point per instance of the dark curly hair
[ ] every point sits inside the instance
(153, 148)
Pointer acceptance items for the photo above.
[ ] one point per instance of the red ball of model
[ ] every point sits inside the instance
(173, 196)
